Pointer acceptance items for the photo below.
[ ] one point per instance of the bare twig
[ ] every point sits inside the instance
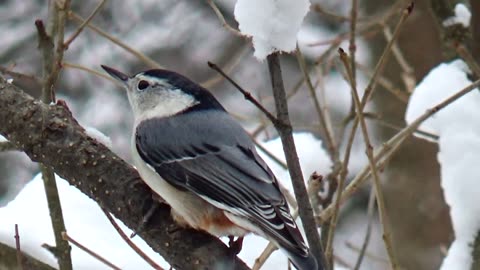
(352, 47)
(342, 176)
(91, 71)
(285, 132)
(144, 58)
(386, 84)
(260, 261)
(51, 46)
(234, 62)
(383, 58)
(270, 154)
(371, 256)
(407, 75)
(328, 14)
(66, 237)
(397, 53)
(248, 96)
(392, 145)
(373, 167)
(84, 23)
(368, 232)
(329, 135)
(19, 250)
(130, 243)
(222, 19)
(62, 248)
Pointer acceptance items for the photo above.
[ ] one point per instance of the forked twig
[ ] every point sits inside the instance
(84, 23)
(248, 96)
(222, 19)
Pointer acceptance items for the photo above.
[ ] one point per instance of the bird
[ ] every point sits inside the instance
(192, 153)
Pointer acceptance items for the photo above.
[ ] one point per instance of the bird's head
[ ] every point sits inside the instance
(163, 93)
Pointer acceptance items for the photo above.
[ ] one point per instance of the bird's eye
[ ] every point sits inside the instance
(142, 85)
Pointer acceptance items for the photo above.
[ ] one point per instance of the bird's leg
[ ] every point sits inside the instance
(235, 245)
(151, 210)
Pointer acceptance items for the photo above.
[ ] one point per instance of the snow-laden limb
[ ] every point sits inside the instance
(99, 136)
(462, 16)
(458, 129)
(272, 24)
(84, 221)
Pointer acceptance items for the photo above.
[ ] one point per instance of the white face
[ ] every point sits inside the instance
(153, 97)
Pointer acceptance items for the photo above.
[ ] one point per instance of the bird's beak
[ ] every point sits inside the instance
(117, 75)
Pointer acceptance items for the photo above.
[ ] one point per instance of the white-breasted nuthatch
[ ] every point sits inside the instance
(193, 154)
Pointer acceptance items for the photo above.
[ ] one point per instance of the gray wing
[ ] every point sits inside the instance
(217, 161)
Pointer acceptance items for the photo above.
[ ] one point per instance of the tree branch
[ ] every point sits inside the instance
(9, 260)
(49, 134)
(285, 131)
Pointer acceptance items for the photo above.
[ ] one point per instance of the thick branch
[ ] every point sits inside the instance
(49, 134)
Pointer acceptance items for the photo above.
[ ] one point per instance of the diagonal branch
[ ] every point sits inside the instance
(49, 134)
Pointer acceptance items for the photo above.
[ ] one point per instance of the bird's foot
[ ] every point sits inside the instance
(235, 245)
(146, 218)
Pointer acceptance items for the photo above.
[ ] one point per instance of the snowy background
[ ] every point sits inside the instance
(183, 36)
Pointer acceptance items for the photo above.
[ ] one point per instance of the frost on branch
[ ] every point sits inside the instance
(272, 24)
(458, 129)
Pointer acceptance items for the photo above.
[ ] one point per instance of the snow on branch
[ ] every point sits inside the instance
(272, 24)
(459, 152)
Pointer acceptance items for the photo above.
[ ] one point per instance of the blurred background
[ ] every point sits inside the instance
(184, 35)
